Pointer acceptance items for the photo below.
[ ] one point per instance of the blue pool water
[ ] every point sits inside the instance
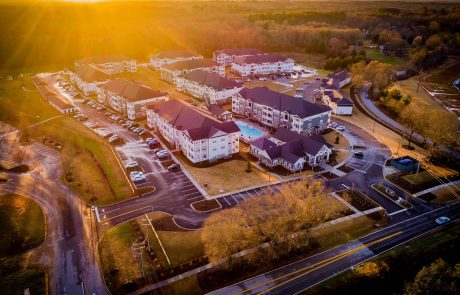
(248, 132)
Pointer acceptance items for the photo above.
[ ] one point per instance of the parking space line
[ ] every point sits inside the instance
(188, 185)
(234, 199)
(194, 198)
(226, 201)
(189, 189)
(191, 194)
(257, 193)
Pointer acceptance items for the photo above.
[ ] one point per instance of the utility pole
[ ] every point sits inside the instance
(138, 249)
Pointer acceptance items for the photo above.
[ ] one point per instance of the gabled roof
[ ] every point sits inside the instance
(131, 90)
(239, 51)
(191, 64)
(294, 146)
(217, 110)
(91, 73)
(263, 143)
(260, 59)
(101, 59)
(212, 80)
(175, 54)
(342, 75)
(283, 102)
(337, 97)
(45, 90)
(197, 125)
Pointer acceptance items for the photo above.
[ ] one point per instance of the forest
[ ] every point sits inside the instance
(55, 34)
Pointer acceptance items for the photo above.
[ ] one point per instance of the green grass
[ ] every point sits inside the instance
(375, 54)
(91, 165)
(422, 177)
(23, 224)
(403, 263)
(23, 228)
(181, 246)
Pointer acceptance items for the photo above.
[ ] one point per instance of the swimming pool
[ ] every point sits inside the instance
(249, 133)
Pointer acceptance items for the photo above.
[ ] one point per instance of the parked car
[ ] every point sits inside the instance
(174, 167)
(442, 220)
(163, 156)
(153, 145)
(334, 124)
(131, 164)
(149, 139)
(161, 152)
(340, 128)
(358, 154)
(137, 176)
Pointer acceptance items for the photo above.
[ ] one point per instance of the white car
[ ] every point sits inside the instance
(340, 128)
(442, 220)
(131, 164)
(137, 176)
(161, 153)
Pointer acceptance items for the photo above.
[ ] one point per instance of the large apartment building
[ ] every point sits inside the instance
(198, 136)
(228, 56)
(111, 64)
(262, 65)
(208, 86)
(275, 110)
(170, 72)
(169, 57)
(128, 97)
(88, 77)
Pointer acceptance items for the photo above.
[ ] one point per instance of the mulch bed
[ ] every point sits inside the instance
(206, 205)
(357, 199)
(329, 175)
(346, 169)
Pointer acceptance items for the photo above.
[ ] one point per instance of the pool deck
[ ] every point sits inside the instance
(255, 126)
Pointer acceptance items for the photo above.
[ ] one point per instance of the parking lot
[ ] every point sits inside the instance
(235, 198)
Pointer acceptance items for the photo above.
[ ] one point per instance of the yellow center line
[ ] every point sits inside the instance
(330, 259)
(329, 262)
(109, 218)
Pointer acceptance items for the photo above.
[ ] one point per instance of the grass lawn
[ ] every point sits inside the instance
(91, 166)
(226, 176)
(180, 246)
(375, 54)
(23, 228)
(343, 147)
(23, 224)
(403, 263)
(119, 266)
(419, 178)
(420, 100)
(445, 195)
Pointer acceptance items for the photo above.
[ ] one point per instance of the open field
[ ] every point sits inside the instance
(375, 54)
(23, 228)
(225, 176)
(90, 165)
(402, 265)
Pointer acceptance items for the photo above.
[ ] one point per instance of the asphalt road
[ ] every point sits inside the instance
(303, 274)
(69, 251)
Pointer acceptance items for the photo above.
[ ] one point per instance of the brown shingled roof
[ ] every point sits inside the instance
(191, 64)
(91, 73)
(132, 90)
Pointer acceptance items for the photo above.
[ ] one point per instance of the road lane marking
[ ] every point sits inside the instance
(345, 186)
(126, 213)
(316, 265)
(97, 214)
(397, 212)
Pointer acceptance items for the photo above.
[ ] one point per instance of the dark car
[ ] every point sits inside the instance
(154, 144)
(358, 154)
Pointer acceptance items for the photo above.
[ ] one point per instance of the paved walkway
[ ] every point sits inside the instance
(429, 190)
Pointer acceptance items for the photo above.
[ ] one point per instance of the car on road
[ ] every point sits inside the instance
(358, 154)
(442, 220)
(174, 167)
(131, 164)
(340, 128)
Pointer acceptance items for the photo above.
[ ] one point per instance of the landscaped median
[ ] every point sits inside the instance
(390, 194)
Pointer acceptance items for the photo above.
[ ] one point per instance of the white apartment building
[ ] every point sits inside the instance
(170, 72)
(111, 64)
(198, 136)
(88, 77)
(228, 56)
(262, 65)
(169, 57)
(208, 86)
(129, 98)
(275, 110)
